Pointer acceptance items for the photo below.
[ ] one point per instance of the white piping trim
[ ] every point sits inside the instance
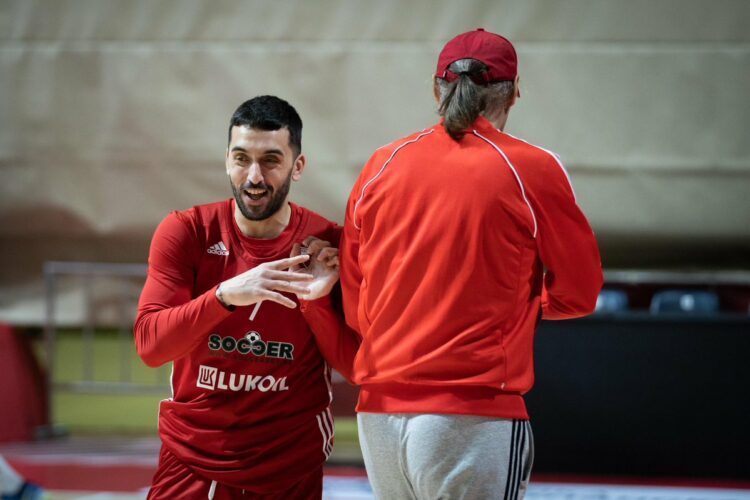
(171, 381)
(212, 490)
(327, 377)
(382, 169)
(333, 430)
(171, 390)
(325, 431)
(553, 155)
(515, 173)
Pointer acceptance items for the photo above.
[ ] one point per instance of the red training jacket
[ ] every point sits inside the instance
(442, 268)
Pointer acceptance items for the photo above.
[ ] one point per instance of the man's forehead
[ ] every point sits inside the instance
(246, 137)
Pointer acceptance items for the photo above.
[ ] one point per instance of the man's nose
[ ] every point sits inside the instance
(254, 173)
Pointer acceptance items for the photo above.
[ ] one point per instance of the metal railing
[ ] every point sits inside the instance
(681, 278)
(124, 282)
(87, 273)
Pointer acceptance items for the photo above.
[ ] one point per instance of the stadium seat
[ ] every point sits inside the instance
(685, 302)
(610, 301)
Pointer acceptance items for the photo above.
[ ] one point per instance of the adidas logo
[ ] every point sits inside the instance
(218, 249)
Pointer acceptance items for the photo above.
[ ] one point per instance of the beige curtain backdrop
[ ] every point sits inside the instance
(114, 113)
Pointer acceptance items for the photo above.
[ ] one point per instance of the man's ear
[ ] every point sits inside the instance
(516, 94)
(436, 89)
(298, 167)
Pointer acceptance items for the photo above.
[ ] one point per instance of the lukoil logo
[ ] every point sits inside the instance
(210, 377)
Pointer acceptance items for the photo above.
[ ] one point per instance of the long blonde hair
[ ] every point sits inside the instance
(463, 100)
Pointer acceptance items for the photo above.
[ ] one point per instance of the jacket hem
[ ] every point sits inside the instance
(441, 399)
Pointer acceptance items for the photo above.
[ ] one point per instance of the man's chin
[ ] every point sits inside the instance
(259, 210)
(255, 215)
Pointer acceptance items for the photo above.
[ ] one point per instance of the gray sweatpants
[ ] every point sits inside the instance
(431, 457)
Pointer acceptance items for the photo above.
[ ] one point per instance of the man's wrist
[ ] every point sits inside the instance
(222, 300)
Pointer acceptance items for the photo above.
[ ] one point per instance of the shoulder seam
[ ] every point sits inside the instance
(554, 157)
(515, 174)
(382, 169)
(399, 142)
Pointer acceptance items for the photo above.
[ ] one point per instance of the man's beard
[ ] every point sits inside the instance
(274, 204)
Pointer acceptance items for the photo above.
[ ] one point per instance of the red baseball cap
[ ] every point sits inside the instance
(495, 51)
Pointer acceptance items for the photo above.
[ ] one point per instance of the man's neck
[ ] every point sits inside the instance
(265, 229)
(500, 120)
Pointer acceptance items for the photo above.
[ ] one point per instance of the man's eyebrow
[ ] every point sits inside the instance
(266, 152)
(273, 152)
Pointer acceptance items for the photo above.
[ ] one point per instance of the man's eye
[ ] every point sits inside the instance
(240, 159)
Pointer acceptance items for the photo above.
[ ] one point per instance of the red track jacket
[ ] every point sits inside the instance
(443, 264)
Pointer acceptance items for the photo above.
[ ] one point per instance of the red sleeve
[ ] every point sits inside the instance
(170, 322)
(336, 341)
(351, 274)
(567, 247)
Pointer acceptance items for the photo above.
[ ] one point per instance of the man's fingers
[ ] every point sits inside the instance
(295, 250)
(329, 257)
(316, 245)
(288, 276)
(288, 262)
(279, 299)
(312, 239)
(328, 253)
(288, 286)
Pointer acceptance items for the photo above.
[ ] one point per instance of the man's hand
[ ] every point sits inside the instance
(323, 267)
(265, 281)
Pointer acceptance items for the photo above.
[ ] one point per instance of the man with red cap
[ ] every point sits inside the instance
(457, 240)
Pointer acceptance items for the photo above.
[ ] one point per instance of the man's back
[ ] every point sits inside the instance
(456, 241)
(449, 252)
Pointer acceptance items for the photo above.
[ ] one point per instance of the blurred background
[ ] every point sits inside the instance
(114, 113)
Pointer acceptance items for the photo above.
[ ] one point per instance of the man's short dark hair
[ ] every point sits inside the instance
(267, 112)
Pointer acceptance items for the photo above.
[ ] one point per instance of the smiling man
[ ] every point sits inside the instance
(250, 412)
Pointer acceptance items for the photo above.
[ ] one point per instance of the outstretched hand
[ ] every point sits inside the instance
(265, 281)
(322, 268)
